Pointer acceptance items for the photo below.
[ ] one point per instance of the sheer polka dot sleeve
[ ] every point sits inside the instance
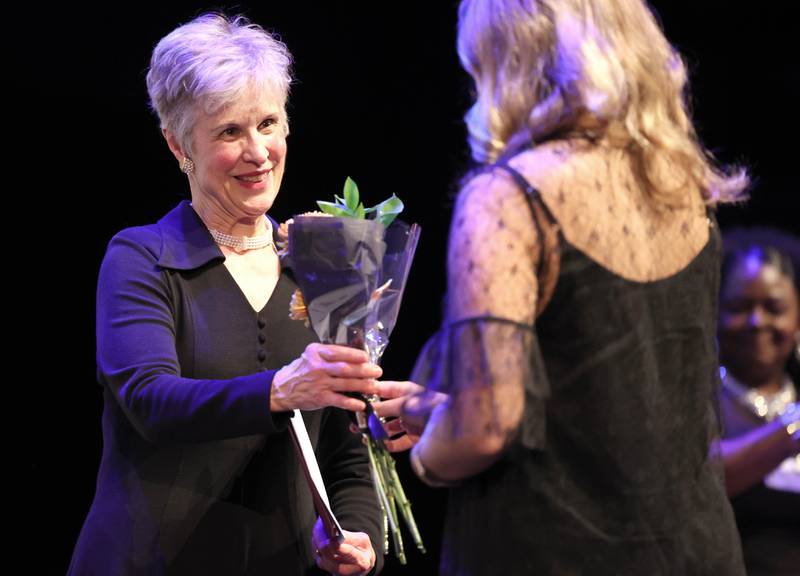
(486, 356)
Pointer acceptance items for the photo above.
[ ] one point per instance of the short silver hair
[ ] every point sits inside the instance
(207, 64)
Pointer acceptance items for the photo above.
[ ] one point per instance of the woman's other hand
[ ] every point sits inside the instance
(354, 555)
(407, 407)
(322, 376)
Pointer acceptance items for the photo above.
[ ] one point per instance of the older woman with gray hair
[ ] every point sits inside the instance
(200, 363)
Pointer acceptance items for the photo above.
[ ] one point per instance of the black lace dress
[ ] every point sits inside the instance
(610, 472)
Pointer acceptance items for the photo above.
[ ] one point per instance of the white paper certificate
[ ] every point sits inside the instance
(308, 461)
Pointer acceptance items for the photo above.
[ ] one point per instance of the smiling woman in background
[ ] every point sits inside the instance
(201, 364)
(759, 338)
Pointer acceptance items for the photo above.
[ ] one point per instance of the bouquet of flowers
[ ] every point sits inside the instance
(352, 269)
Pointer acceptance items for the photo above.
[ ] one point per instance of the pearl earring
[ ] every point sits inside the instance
(187, 165)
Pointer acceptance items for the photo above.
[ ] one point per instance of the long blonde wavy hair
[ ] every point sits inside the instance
(546, 68)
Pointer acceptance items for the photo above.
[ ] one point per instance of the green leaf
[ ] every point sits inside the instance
(389, 209)
(332, 209)
(351, 206)
(351, 194)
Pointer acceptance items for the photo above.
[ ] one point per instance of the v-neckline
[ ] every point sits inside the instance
(246, 300)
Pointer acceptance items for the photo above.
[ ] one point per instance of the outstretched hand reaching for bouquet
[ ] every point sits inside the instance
(406, 408)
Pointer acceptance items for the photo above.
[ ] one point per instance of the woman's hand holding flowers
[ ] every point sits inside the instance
(323, 376)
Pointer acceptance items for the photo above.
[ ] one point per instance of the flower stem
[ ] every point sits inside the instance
(383, 498)
(402, 500)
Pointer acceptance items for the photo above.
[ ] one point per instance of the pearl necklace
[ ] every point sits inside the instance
(244, 243)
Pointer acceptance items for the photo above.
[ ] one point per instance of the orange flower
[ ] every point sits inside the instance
(297, 308)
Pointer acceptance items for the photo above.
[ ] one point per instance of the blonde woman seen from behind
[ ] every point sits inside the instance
(578, 351)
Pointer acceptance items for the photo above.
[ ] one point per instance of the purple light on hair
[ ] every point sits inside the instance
(753, 260)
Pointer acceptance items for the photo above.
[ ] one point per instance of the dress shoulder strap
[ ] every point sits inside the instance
(548, 230)
(534, 198)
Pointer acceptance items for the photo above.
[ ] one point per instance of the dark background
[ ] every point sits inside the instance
(379, 97)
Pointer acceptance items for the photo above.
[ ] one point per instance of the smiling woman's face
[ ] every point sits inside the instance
(239, 154)
(758, 322)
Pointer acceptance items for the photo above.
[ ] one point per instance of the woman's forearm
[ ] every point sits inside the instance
(750, 457)
(452, 452)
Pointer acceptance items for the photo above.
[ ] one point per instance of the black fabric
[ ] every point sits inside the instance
(769, 524)
(768, 519)
(611, 472)
(197, 476)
